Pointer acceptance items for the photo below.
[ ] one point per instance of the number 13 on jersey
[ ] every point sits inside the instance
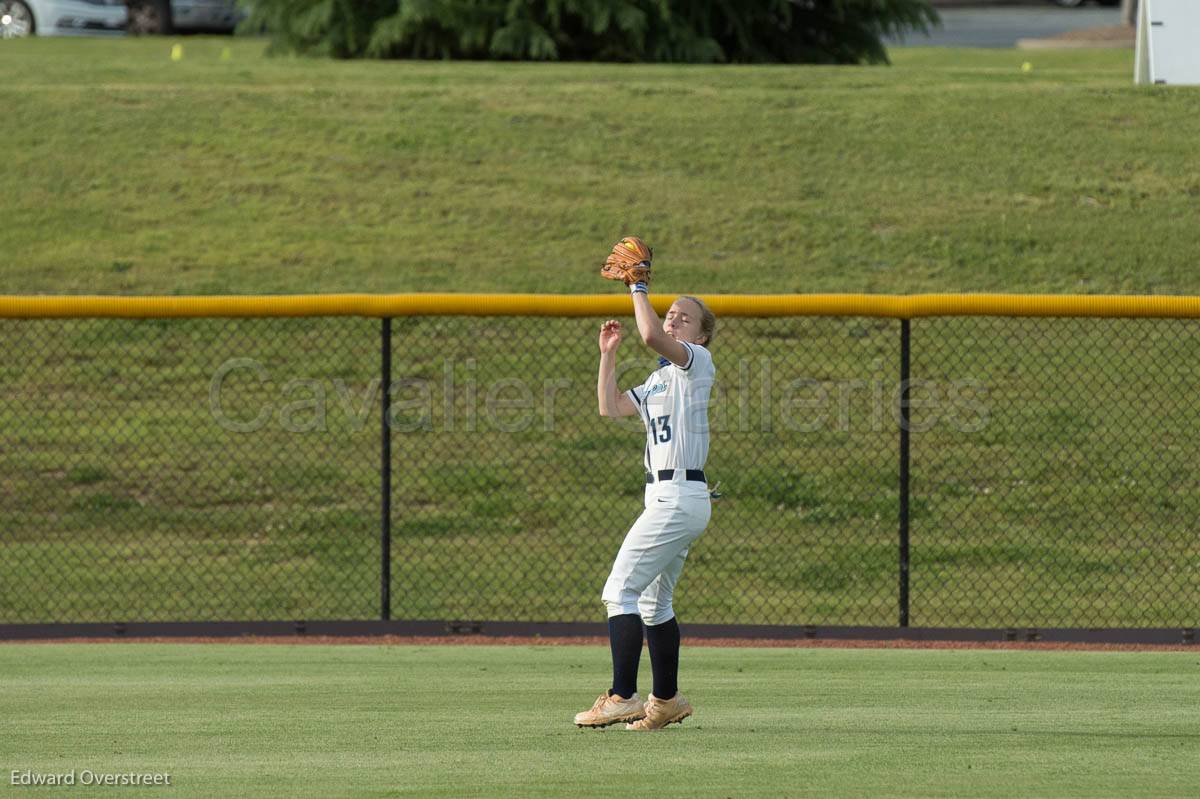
(660, 429)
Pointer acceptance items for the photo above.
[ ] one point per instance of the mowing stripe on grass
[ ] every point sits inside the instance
(271, 720)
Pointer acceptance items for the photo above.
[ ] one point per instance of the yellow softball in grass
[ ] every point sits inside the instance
(177, 52)
(1027, 67)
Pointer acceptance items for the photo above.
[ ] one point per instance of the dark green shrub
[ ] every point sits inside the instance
(696, 31)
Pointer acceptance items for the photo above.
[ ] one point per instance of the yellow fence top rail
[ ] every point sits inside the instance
(751, 305)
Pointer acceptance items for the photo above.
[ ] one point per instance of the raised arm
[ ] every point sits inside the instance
(612, 402)
(651, 331)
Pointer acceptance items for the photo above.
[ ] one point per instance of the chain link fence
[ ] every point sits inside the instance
(229, 469)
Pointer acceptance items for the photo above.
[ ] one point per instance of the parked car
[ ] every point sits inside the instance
(174, 16)
(61, 17)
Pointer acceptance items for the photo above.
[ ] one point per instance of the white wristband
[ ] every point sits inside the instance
(639, 288)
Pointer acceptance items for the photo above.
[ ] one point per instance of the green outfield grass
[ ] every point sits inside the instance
(953, 170)
(251, 720)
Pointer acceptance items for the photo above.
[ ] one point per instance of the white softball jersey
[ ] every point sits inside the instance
(673, 403)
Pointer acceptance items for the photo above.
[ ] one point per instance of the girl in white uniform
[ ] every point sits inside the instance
(673, 406)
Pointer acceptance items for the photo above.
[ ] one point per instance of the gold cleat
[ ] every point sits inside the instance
(612, 709)
(661, 712)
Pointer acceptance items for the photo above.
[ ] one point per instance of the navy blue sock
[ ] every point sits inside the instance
(625, 638)
(664, 657)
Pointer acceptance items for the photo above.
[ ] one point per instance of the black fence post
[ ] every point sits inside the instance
(385, 474)
(904, 425)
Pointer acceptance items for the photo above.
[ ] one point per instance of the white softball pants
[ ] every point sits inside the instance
(651, 559)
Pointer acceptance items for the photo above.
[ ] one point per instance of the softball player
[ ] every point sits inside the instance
(673, 406)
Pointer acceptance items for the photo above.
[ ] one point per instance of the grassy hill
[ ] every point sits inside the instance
(128, 172)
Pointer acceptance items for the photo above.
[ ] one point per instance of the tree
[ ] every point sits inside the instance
(740, 31)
